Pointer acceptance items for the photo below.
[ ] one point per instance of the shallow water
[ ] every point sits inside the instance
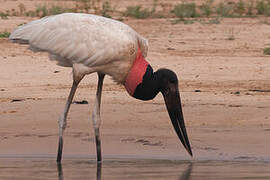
(30, 169)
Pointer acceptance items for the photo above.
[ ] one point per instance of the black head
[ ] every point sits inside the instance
(168, 84)
(167, 80)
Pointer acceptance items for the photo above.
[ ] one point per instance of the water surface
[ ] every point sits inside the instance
(37, 169)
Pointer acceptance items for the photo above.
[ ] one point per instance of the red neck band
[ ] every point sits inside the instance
(136, 73)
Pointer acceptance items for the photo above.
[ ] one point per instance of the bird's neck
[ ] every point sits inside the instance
(141, 82)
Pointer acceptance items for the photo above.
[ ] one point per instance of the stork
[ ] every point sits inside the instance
(90, 43)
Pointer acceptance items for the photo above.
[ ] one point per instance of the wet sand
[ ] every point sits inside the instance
(32, 131)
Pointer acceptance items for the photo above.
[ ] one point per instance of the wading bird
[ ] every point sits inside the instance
(90, 43)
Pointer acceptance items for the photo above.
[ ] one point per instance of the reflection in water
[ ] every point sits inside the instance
(32, 169)
(186, 174)
(60, 171)
(61, 175)
(99, 171)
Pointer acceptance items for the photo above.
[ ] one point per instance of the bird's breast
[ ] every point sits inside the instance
(136, 73)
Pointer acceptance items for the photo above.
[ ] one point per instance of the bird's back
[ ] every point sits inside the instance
(80, 38)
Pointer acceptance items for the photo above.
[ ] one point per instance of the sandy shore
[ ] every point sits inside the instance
(224, 87)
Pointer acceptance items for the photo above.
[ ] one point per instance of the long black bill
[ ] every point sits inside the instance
(174, 107)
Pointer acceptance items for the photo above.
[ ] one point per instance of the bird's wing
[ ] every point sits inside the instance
(78, 38)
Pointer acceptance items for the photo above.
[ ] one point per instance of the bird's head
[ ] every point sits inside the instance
(144, 84)
(168, 82)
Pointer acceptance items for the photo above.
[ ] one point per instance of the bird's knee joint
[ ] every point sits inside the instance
(62, 124)
(96, 124)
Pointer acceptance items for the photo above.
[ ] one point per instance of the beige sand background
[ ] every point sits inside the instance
(228, 119)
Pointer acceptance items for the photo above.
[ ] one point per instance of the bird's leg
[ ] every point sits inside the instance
(63, 118)
(96, 115)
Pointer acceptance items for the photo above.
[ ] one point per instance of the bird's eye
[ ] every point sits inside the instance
(173, 81)
(166, 91)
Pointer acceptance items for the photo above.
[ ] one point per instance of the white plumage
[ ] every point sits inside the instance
(93, 43)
